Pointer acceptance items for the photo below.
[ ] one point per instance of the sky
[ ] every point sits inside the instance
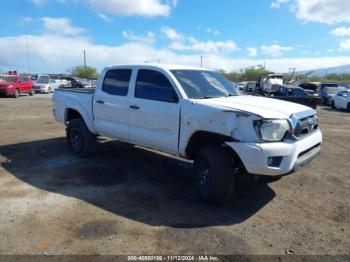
(50, 36)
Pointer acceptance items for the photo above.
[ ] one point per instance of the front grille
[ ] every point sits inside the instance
(306, 126)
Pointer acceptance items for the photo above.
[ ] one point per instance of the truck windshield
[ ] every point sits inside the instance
(201, 84)
(42, 80)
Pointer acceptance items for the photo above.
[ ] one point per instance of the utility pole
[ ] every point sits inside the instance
(26, 36)
(292, 72)
(201, 61)
(85, 59)
(264, 65)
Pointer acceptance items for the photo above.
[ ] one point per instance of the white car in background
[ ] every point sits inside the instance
(46, 84)
(341, 100)
(241, 85)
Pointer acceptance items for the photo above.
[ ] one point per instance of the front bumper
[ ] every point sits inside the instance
(41, 89)
(295, 154)
(7, 91)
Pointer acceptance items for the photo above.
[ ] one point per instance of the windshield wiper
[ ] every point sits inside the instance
(207, 97)
(229, 95)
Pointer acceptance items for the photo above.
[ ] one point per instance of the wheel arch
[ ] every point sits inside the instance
(200, 138)
(74, 113)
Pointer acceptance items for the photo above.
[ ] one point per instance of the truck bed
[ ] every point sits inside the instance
(79, 99)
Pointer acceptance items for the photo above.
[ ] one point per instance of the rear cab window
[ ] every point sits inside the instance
(116, 82)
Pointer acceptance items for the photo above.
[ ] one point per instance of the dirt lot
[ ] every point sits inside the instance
(128, 200)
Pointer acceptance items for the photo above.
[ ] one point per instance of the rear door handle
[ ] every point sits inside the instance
(100, 102)
(135, 107)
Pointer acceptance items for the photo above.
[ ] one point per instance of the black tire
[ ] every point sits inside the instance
(80, 140)
(333, 105)
(32, 92)
(348, 108)
(16, 94)
(214, 174)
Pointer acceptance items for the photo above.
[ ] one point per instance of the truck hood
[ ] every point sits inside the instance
(261, 106)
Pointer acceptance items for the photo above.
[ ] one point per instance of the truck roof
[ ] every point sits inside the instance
(161, 66)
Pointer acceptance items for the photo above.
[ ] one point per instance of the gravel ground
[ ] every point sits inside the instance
(129, 200)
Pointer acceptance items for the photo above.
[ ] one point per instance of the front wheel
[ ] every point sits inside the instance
(80, 140)
(32, 92)
(214, 174)
(333, 104)
(348, 108)
(16, 93)
(324, 102)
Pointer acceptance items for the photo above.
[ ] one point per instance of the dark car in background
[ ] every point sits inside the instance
(71, 82)
(298, 95)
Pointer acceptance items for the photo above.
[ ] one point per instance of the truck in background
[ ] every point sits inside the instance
(269, 83)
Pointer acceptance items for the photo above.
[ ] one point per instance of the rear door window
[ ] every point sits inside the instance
(117, 81)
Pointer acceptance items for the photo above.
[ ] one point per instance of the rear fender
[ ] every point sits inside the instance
(84, 115)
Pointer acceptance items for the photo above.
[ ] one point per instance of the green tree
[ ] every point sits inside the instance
(253, 74)
(84, 72)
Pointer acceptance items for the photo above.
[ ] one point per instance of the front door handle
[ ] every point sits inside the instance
(100, 102)
(135, 107)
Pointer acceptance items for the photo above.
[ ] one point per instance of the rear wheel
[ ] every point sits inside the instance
(32, 92)
(214, 174)
(16, 93)
(348, 108)
(80, 140)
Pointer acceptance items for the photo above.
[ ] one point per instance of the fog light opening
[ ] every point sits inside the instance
(274, 161)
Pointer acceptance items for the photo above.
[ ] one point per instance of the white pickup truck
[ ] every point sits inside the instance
(195, 114)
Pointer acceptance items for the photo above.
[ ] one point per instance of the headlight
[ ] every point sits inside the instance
(272, 130)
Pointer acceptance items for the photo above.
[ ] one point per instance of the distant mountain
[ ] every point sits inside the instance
(345, 69)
